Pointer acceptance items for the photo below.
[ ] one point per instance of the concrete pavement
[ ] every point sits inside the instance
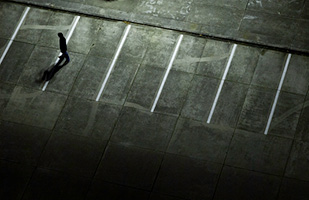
(63, 144)
(280, 24)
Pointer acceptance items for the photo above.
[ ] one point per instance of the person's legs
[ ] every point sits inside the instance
(67, 58)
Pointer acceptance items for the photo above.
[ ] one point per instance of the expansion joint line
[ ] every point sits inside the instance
(68, 37)
(277, 94)
(167, 72)
(221, 83)
(120, 45)
(21, 21)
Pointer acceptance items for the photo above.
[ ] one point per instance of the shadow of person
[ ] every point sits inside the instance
(40, 77)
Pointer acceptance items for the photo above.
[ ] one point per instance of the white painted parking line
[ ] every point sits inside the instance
(167, 72)
(68, 37)
(120, 45)
(21, 21)
(221, 83)
(277, 94)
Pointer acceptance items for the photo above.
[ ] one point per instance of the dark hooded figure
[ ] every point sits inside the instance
(63, 48)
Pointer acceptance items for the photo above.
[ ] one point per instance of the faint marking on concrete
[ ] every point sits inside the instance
(256, 2)
(91, 118)
(186, 9)
(45, 27)
(288, 113)
(190, 60)
(20, 98)
(135, 105)
(250, 17)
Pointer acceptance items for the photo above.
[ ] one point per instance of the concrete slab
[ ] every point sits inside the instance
(91, 119)
(21, 143)
(217, 53)
(237, 183)
(193, 151)
(297, 76)
(190, 54)
(291, 9)
(44, 58)
(98, 60)
(15, 62)
(243, 64)
(269, 69)
(6, 91)
(89, 80)
(256, 109)
(34, 108)
(230, 104)
(146, 84)
(259, 22)
(13, 179)
(64, 79)
(305, 14)
(174, 92)
(298, 161)
(41, 59)
(157, 196)
(129, 166)
(58, 22)
(47, 184)
(200, 141)
(144, 129)
(104, 190)
(218, 16)
(72, 154)
(303, 125)
(120, 82)
(9, 17)
(259, 153)
(187, 178)
(300, 40)
(35, 17)
(286, 115)
(200, 98)
(293, 189)
(86, 31)
(266, 28)
(3, 44)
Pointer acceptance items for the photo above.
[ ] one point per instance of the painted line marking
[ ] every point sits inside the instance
(68, 37)
(167, 72)
(277, 93)
(120, 45)
(15, 33)
(221, 83)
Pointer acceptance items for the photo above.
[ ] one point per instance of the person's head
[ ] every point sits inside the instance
(60, 34)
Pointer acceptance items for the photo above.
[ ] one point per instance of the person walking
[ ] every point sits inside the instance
(64, 55)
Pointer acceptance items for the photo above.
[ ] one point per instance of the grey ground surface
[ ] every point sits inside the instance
(63, 144)
(279, 23)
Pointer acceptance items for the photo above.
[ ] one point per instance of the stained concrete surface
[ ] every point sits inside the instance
(63, 144)
(283, 24)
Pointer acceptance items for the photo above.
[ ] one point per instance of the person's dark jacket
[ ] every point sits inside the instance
(63, 44)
